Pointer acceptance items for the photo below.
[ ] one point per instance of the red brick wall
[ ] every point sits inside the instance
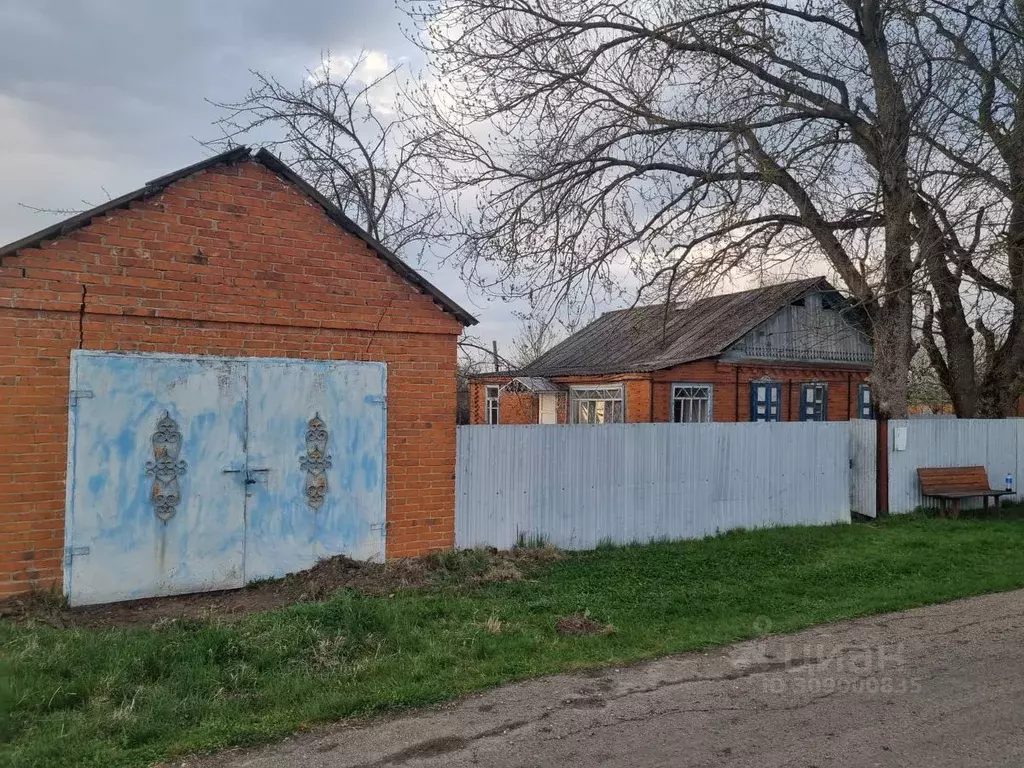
(842, 388)
(35, 348)
(646, 397)
(518, 408)
(476, 402)
(231, 261)
(638, 401)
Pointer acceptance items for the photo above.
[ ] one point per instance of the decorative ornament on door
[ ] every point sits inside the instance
(316, 462)
(166, 467)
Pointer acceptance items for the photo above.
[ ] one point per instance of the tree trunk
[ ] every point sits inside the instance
(996, 398)
(957, 368)
(893, 346)
(887, 150)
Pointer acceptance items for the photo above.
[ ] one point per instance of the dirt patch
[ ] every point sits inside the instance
(427, 749)
(585, 702)
(441, 569)
(581, 624)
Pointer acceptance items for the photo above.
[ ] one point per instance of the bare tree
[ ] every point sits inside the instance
(342, 128)
(538, 332)
(971, 204)
(681, 140)
(470, 361)
(925, 389)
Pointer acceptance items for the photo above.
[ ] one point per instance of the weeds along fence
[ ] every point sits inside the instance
(576, 486)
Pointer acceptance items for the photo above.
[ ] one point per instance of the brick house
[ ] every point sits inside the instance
(235, 256)
(788, 352)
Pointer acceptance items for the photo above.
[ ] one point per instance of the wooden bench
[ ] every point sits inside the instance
(956, 483)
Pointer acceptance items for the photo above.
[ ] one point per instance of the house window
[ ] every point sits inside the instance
(491, 403)
(765, 401)
(814, 402)
(597, 405)
(691, 403)
(865, 407)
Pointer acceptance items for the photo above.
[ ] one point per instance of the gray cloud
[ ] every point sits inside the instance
(97, 96)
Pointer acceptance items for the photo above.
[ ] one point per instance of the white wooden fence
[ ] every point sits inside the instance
(576, 486)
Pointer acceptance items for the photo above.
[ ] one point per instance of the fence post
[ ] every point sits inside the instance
(882, 467)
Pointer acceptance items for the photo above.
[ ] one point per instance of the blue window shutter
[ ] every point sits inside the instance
(813, 402)
(865, 405)
(765, 401)
(755, 402)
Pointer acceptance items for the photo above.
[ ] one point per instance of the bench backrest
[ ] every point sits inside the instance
(952, 479)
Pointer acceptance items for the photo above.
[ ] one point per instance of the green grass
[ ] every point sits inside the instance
(129, 696)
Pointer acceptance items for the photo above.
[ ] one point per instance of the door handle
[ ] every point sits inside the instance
(249, 479)
(249, 472)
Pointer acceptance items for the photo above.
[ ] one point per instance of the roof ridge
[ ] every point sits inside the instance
(677, 305)
(274, 164)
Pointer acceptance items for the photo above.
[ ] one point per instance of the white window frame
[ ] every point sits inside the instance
(492, 404)
(673, 397)
(575, 399)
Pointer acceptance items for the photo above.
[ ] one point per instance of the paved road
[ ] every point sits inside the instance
(938, 686)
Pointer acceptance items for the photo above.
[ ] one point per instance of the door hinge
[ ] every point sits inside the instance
(382, 527)
(78, 394)
(376, 398)
(75, 551)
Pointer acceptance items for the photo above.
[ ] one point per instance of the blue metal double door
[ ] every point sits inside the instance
(189, 474)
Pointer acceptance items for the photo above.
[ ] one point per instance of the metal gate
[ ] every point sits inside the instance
(188, 474)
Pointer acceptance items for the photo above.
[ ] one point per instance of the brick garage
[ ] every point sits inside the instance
(234, 256)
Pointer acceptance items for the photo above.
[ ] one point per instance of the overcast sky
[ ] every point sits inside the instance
(99, 96)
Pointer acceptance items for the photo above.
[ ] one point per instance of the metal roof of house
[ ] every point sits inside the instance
(273, 163)
(661, 336)
(536, 384)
